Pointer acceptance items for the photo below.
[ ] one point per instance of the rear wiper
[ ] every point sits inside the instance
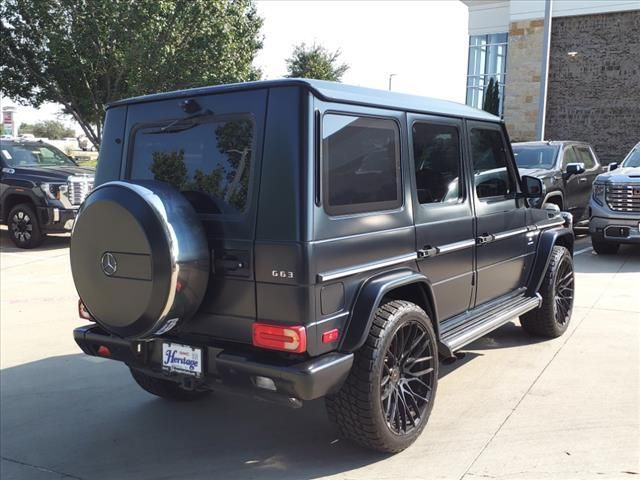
(180, 125)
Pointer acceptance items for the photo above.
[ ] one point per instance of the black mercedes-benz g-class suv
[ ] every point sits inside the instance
(297, 239)
(567, 169)
(41, 190)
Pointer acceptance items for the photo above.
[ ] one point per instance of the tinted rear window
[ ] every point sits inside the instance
(210, 161)
(361, 162)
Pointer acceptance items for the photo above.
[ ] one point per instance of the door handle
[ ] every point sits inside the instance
(583, 180)
(484, 239)
(427, 251)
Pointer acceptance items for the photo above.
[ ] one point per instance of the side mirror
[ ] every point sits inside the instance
(613, 166)
(574, 168)
(533, 187)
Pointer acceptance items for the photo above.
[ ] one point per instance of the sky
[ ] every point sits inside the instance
(423, 43)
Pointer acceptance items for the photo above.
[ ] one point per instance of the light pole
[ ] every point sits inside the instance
(391, 75)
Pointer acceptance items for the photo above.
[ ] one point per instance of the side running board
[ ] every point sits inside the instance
(455, 338)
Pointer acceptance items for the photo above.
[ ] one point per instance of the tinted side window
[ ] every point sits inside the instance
(361, 164)
(585, 157)
(210, 162)
(492, 177)
(569, 157)
(436, 154)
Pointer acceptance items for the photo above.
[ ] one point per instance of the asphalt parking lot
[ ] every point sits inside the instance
(513, 408)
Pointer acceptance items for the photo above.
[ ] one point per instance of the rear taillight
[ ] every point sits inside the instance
(83, 312)
(276, 337)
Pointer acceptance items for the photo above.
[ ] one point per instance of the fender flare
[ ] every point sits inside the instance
(548, 240)
(369, 298)
(555, 193)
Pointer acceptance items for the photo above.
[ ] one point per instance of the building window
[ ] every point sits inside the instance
(487, 66)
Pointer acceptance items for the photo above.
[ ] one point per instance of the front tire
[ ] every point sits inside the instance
(387, 398)
(165, 388)
(603, 247)
(558, 286)
(24, 227)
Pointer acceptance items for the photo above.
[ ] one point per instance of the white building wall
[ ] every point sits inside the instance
(487, 16)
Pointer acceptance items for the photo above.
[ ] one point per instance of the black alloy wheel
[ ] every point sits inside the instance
(385, 402)
(557, 291)
(24, 228)
(407, 380)
(564, 289)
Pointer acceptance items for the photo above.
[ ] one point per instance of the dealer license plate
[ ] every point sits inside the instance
(182, 359)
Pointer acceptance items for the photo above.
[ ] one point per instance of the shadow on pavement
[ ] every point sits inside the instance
(591, 262)
(85, 417)
(51, 242)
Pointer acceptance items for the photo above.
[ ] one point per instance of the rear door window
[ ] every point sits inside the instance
(209, 160)
(585, 157)
(361, 164)
(437, 159)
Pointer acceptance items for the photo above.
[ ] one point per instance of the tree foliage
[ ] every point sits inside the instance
(50, 129)
(84, 54)
(317, 62)
(491, 102)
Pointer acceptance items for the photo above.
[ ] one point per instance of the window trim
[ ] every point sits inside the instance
(203, 120)
(462, 183)
(356, 208)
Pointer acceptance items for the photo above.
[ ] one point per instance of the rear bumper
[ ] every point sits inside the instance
(228, 369)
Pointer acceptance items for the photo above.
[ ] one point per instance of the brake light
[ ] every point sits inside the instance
(276, 337)
(83, 312)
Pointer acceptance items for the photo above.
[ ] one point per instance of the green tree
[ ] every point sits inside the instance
(51, 129)
(315, 62)
(491, 101)
(169, 167)
(85, 54)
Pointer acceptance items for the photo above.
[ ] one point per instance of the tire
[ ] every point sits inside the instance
(24, 227)
(360, 407)
(603, 247)
(165, 388)
(558, 288)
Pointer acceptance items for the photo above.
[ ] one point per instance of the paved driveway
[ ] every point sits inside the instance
(514, 407)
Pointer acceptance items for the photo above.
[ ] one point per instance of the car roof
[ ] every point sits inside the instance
(334, 92)
(549, 142)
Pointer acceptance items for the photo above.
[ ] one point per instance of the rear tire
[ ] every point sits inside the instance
(165, 388)
(551, 320)
(603, 247)
(24, 227)
(387, 398)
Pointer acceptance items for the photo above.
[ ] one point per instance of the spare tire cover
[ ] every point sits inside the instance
(139, 257)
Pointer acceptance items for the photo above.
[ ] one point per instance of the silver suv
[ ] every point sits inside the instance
(615, 205)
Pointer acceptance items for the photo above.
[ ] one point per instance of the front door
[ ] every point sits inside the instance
(442, 211)
(500, 214)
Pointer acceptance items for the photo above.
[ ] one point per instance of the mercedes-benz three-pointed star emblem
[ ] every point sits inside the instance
(108, 263)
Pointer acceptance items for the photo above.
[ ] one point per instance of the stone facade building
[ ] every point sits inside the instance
(593, 82)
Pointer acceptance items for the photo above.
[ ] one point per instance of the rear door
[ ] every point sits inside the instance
(214, 160)
(501, 215)
(442, 210)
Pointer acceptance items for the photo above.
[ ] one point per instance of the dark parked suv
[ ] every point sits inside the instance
(41, 190)
(567, 170)
(301, 239)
